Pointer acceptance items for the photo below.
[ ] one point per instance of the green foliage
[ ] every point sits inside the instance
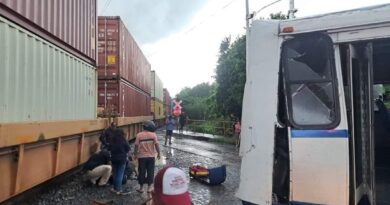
(230, 78)
(218, 127)
(231, 75)
(278, 15)
(203, 127)
(387, 94)
(194, 100)
(223, 98)
(224, 47)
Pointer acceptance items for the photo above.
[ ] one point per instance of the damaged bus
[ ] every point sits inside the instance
(315, 127)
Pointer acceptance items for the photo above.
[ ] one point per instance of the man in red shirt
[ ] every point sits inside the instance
(146, 146)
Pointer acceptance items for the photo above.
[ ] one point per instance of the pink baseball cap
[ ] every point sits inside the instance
(171, 187)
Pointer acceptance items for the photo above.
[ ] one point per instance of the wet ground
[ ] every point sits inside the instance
(182, 153)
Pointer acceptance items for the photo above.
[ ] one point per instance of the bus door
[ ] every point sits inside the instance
(318, 136)
(360, 120)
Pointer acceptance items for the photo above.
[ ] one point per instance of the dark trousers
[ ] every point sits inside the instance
(118, 172)
(146, 170)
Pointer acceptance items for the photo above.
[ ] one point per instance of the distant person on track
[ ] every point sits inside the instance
(170, 123)
(182, 121)
(106, 135)
(146, 146)
(237, 132)
(119, 149)
(98, 167)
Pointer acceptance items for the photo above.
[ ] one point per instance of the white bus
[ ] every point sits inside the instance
(314, 131)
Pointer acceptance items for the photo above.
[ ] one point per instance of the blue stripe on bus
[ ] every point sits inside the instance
(319, 133)
(302, 203)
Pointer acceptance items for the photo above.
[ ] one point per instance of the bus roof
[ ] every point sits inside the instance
(367, 16)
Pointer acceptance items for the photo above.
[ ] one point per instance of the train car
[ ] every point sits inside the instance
(69, 25)
(123, 71)
(122, 99)
(119, 56)
(167, 103)
(48, 89)
(157, 94)
(319, 131)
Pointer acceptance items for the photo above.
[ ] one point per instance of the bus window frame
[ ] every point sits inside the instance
(288, 83)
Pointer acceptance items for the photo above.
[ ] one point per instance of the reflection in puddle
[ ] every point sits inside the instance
(170, 153)
(162, 161)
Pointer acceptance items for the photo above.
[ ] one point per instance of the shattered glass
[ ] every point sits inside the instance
(308, 63)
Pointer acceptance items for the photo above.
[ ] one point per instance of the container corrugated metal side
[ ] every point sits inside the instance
(157, 108)
(119, 56)
(156, 87)
(42, 82)
(123, 99)
(69, 24)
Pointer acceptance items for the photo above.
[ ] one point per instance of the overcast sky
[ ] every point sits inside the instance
(181, 37)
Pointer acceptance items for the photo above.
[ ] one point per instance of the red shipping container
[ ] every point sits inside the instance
(119, 55)
(69, 24)
(123, 99)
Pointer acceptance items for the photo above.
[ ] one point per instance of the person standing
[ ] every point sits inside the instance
(146, 146)
(106, 136)
(237, 132)
(119, 149)
(170, 123)
(182, 121)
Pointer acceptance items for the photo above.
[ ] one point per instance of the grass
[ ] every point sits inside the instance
(387, 103)
(211, 127)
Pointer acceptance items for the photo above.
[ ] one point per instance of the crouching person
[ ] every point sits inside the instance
(98, 167)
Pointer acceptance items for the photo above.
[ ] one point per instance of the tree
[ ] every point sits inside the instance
(194, 100)
(224, 97)
(230, 78)
(231, 75)
(278, 15)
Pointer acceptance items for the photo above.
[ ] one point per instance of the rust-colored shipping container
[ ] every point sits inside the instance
(123, 99)
(167, 103)
(119, 56)
(69, 24)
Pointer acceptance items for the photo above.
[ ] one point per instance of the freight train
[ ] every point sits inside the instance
(65, 74)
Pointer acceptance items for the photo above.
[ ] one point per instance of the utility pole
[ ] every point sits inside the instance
(247, 16)
(292, 10)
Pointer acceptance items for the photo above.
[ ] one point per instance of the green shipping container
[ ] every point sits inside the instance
(156, 87)
(41, 82)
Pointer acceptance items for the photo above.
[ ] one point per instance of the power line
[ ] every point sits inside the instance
(266, 6)
(106, 5)
(198, 24)
(210, 16)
